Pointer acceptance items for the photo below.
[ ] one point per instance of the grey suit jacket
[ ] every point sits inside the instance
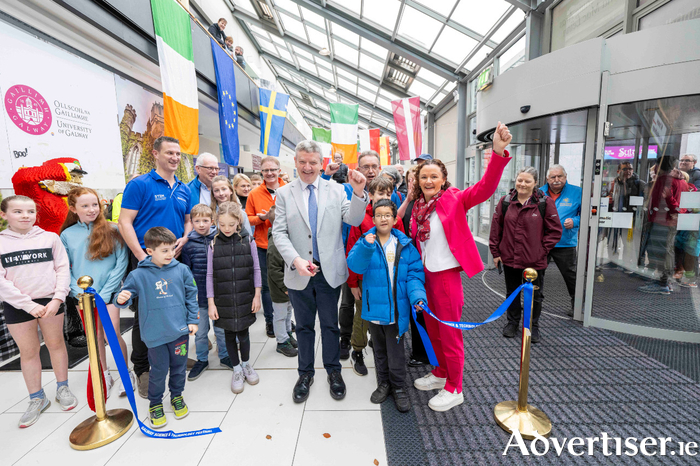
(292, 232)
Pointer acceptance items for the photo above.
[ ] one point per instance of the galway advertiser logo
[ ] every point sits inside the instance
(28, 109)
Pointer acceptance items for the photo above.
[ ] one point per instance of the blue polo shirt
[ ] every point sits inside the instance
(157, 203)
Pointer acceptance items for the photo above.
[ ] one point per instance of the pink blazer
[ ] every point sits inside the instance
(452, 209)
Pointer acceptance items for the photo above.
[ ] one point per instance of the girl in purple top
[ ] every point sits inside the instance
(234, 289)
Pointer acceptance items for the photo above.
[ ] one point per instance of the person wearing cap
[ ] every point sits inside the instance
(421, 159)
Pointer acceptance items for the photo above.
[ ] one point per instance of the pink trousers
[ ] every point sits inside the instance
(445, 299)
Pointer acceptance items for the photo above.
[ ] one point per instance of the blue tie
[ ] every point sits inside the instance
(313, 213)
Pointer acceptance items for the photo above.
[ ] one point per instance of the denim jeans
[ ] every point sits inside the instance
(282, 320)
(201, 340)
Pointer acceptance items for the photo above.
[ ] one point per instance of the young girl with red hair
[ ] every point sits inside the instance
(95, 248)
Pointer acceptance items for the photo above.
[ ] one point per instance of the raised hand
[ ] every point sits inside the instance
(370, 238)
(501, 138)
(123, 296)
(357, 180)
(332, 168)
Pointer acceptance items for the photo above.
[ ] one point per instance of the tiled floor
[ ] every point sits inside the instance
(296, 431)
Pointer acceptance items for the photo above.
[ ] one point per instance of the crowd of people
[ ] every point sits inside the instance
(217, 31)
(215, 252)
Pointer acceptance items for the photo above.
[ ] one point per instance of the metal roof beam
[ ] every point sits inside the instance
(323, 82)
(242, 15)
(524, 5)
(380, 37)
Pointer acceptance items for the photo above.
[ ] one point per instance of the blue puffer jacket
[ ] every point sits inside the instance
(409, 280)
(194, 256)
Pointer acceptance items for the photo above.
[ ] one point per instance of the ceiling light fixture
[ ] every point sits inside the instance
(324, 52)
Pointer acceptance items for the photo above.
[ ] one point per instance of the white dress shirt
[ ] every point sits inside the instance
(436, 251)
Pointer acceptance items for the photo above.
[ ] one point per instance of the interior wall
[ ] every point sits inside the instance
(446, 141)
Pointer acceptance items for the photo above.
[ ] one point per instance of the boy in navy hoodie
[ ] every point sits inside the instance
(398, 282)
(194, 256)
(167, 314)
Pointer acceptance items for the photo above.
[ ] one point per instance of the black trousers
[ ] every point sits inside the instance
(514, 278)
(389, 354)
(139, 350)
(346, 312)
(417, 348)
(565, 259)
(317, 296)
(231, 347)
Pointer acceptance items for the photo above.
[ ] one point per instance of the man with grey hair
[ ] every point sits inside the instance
(687, 164)
(307, 232)
(567, 198)
(402, 187)
(207, 167)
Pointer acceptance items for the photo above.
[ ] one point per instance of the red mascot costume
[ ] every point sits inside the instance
(48, 185)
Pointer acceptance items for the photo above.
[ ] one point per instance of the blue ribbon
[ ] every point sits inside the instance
(426, 339)
(527, 307)
(111, 335)
(498, 313)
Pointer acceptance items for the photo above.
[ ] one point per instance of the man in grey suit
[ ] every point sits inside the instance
(308, 234)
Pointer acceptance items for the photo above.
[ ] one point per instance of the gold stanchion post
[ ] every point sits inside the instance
(105, 426)
(512, 415)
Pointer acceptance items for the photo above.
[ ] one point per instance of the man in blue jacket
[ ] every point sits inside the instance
(567, 198)
(207, 167)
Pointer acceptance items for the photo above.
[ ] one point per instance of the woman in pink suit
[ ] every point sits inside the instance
(440, 230)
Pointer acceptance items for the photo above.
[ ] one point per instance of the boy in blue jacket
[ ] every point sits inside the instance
(398, 282)
(194, 256)
(167, 314)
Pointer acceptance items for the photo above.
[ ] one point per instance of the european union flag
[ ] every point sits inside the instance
(228, 105)
(273, 113)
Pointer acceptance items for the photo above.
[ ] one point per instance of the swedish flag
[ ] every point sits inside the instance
(273, 113)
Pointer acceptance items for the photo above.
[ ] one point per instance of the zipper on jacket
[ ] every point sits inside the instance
(397, 259)
(386, 264)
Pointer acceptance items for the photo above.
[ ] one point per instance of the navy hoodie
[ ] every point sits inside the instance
(167, 300)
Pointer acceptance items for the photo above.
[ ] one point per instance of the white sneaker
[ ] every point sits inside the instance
(237, 381)
(66, 399)
(122, 390)
(250, 375)
(444, 400)
(109, 383)
(429, 382)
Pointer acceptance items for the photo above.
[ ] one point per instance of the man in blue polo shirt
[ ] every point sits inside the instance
(156, 199)
(567, 198)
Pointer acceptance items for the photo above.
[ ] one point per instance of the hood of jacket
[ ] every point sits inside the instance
(34, 231)
(197, 238)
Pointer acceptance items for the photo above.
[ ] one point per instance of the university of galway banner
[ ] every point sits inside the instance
(177, 73)
(228, 105)
(55, 104)
(323, 137)
(344, 119)
(409, 128)
(273, 114)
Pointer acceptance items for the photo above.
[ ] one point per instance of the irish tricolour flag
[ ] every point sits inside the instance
(344, 131)
(180, 103)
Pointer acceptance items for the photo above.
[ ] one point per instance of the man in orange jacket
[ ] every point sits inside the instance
(260, 200)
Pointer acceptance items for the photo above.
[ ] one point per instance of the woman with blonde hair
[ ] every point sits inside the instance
(223, 191)
(242, 187)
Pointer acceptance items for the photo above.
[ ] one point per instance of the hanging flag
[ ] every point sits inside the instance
(369, 139)
(273, 114)
(409, 128)
(180, 101)
(344, 131)
(323, 137)
(228, 106)
(384, 149)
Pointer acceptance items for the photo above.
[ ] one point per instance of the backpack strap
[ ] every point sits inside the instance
(542, 206)
(505, 203)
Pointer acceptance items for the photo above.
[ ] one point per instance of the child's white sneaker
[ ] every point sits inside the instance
(429, 382)
(122, 390)
(237, 380)
(444, 400)
(250, 375)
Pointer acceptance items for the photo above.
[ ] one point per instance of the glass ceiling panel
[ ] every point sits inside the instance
(383, 12)
(478, 15)
(444, 7)
(388, 94)
(293, 26)
(368, 96)
(317, 89)
(277, 40)
(284, 54)
(288, 5)
(299, 52)
(317, 39)
(346, 53)
(365, 113)
(370, 46)
(476, 59)
(350, 5)
(268, 47)
(323, 64)
(384, 104)
(348, 77)
(349, 36)
(366, 84)
(347, 85)
(329, 95)
(313, 18)
(282, 72)
(453, 45)
(431, 77)
(371, 65)
(327, 75)
(307, 66)
(257, 30)
(418, 88)
(418, 27)
(507, 27)
(245, 6)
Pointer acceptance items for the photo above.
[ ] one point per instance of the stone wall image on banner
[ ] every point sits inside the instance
(140, 124)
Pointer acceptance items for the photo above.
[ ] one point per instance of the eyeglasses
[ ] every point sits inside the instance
(687, 161)
(211, 169)
(270, 170)
(626, 169)
(384, 216)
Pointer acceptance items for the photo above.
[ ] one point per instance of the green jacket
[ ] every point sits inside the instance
(275, 272)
